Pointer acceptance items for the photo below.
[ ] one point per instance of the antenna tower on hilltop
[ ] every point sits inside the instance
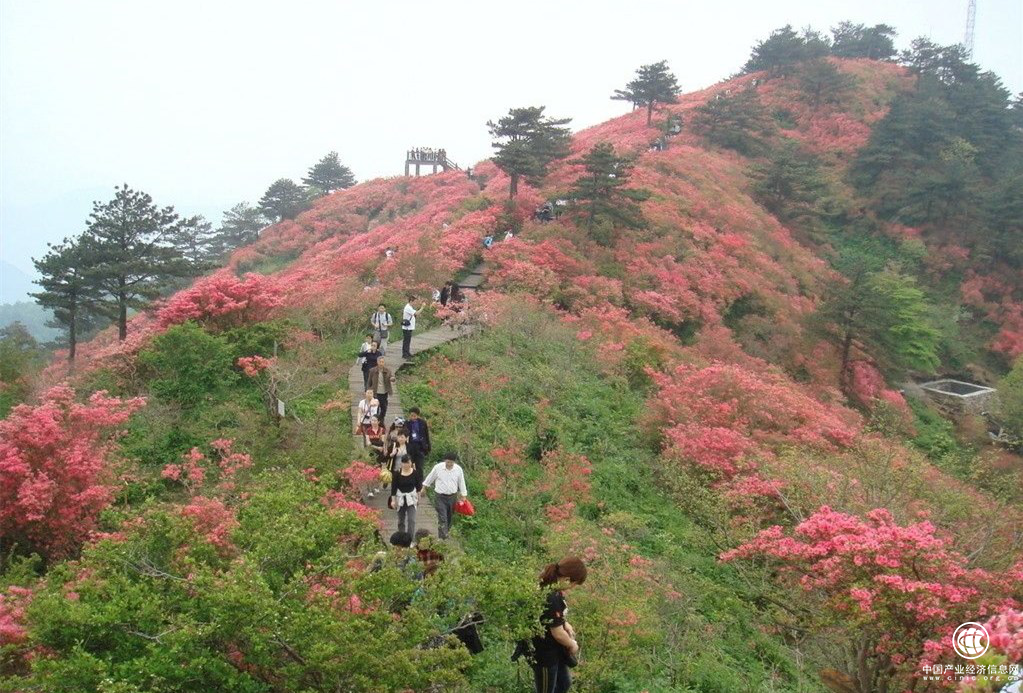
(971, 18)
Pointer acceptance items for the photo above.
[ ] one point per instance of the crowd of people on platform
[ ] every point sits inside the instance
(400, 451)
(427, 154)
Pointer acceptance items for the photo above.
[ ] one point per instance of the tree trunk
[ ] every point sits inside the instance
(649, 112)
(122, 310)
(846, 349)
(513, 188)
(72, 337)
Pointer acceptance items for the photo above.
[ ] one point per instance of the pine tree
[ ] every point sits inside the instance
(136, 260)
(784, 49)
(653, 84)
(882, 311)
(823, 83)
(601, 195)
(284, 199)
(67, 288)
(241, 226)
(329, 174)
(195, 240)
(858, 41)
(736, 122)
(789, 184)
(527, 142)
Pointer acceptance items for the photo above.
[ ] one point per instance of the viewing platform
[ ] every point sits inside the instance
(426, 156)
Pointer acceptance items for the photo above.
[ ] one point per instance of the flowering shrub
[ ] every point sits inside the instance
(55, 474)
(889, 586)
(223, 300)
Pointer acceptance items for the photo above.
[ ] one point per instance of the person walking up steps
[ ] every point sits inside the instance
(381, 382)
(418, 437)
(448, 482)
(381, 321)
(408, 326)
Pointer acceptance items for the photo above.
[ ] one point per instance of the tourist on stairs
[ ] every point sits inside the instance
(368, 408)
(369, 361)
(448, 482)
(381, 382)
(381, 321)
(418, 437)
(406, 486)
(408, 326)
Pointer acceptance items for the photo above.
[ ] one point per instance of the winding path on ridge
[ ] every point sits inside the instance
(426, 516)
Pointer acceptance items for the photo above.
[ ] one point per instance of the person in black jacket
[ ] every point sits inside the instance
(369, 361)
(406, 486)
(418, 437)
(557, 648)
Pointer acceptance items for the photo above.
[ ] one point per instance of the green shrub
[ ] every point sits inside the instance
(188, 366)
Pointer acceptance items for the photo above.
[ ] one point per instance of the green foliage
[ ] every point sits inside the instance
(652, 85)
(68, 289)
(736, 122)
(130, 256)
(188, 365)
(284, 199)
(287, 602)
(944, 150)
(935, 435)
(257, 339)
(882, 310)
(851, 40)
(553, 400)
(20, 356)
(784, 49)
(1010, 398)
(240, 226)
(329, 174)
(601, 195)
(789, 184)
(527, 142)
(822, 83)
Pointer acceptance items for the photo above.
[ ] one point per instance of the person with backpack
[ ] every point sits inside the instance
(408, 326)
(557, 650)
(381, 321)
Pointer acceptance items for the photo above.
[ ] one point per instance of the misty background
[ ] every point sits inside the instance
(203, 105)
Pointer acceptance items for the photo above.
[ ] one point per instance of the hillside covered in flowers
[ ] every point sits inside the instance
(681, 403)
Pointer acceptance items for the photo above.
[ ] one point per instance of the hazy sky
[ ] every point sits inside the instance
(204, 104)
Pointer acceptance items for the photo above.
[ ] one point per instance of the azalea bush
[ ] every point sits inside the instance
(880, 589)
(55, 470)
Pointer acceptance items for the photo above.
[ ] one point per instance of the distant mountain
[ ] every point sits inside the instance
(15, 285)
(32, 316)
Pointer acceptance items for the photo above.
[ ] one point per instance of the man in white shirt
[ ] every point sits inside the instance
(408, 326)
(448, 482)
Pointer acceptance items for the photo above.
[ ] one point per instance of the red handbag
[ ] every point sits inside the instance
(464, 507)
